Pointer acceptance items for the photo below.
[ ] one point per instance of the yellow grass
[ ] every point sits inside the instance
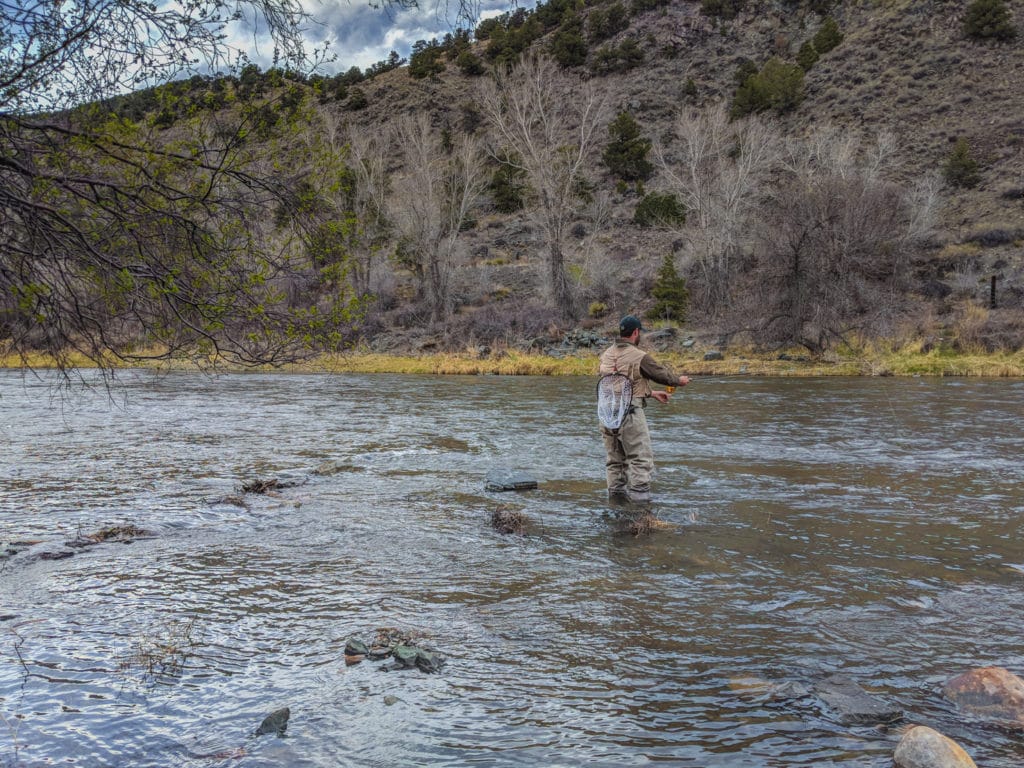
(866, 360)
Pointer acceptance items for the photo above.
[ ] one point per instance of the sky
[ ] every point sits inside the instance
(362, 35)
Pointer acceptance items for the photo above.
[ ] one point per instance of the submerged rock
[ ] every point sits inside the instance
(989, 693)
(509, 480)
(923, 747)
(505, 520)
(276, 722)
(356, 647)
(854, 705)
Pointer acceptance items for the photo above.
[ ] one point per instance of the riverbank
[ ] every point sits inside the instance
(740, 362)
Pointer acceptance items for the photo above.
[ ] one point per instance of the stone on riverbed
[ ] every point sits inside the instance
(275, 722)
(854, 705)
(509, 480)
(505, 520)
(923, 747)
(989, 693)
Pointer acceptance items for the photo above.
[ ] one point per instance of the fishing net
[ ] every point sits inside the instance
(614, 394)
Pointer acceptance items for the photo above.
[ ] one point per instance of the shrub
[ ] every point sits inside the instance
(470, 64)
(672, 299)
(690, 89)
(778, 86)
(989, 19)
(961, 169)
(568, 47)
(827, 37)
(357, 99)
(722, 9)
(659, 210)
(641, 6)
(604, 23)
(508, 186)
(426, 59)
(807, 56)
(626, 154)
(617, 59)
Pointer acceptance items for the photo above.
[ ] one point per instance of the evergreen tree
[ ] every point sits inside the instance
(626, 154)
(807, 56)
(989, 19)
(961, 169)
(672, 299)
(827, 37)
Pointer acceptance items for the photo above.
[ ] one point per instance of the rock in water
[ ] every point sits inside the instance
(505, 520)
(922, 747)
(509, 480)
(990, 693)
(275, 722)
(855, 705)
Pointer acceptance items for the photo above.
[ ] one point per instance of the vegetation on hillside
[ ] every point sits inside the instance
(263, 216)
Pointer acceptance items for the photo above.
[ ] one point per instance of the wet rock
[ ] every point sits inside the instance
(714, 354)
(922, 747)
(378, 652)
(770, 690)
(509, 480)
(267, 486)
(276, 722)
(336, 467)
(356, 647)
(122, 533)
(390, 700)
(505, 520)
(854, 705)
(412, 657)
(59, 554)
(429, 661)
(989, 693)
(353, 658)
(405, 656)
(12, 548)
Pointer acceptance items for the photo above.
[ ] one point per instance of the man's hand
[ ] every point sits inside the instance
(660, 396)
(684, 380)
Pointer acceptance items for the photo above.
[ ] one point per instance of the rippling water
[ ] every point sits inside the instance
(868, 527)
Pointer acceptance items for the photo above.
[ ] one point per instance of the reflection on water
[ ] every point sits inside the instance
(870, 527)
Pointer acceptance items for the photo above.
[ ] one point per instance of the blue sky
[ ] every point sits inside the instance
(362, 35)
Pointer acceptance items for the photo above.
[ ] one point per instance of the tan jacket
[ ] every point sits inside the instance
(625, 358)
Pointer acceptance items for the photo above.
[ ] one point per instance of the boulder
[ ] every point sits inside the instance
(854, 705)
(714, 354)
(989, 693)
(922, 747)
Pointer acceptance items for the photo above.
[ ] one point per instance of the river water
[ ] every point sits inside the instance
(868, 527)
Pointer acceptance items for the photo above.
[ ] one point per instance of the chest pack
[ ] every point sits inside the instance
(614, 396)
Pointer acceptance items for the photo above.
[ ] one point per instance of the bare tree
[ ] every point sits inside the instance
(719, 169)
(835, 242)
(549, 120)
(368, 158)
(431, 203)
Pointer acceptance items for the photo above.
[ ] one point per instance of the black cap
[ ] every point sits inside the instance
(628, 324)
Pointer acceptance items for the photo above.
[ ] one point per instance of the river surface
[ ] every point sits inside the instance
(868, 527)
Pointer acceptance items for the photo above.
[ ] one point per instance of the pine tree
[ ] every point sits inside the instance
(626, 154)
(989, 19)
(672, 299)
(961, 169)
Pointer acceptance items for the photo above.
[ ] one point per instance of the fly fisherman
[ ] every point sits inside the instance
(626, 374)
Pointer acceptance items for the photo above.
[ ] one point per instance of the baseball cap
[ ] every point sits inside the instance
(628, 324)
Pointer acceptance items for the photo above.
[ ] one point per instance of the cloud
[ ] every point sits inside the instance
(360, 35)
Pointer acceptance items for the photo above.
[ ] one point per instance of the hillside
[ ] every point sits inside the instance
(864, 184)
(905, 68)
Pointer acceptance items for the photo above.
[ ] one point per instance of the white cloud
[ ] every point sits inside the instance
(361, 35)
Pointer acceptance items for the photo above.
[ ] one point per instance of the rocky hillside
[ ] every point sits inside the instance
(905, 68)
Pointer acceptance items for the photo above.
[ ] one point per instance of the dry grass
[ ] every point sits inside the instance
(865, 359)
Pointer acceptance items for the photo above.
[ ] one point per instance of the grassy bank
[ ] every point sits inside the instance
(908, 361)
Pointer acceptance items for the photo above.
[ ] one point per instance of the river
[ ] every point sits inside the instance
(868, 527)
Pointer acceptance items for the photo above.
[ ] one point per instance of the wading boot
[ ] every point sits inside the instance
(639, 495)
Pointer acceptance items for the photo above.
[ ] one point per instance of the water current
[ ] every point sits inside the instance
(868, 527)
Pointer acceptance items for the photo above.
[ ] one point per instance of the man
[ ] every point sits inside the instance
(628, 447)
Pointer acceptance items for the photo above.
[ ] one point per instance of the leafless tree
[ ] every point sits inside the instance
(549, 121)
(719, 170)
(835, 241)
(368, 159)
(432, 201)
